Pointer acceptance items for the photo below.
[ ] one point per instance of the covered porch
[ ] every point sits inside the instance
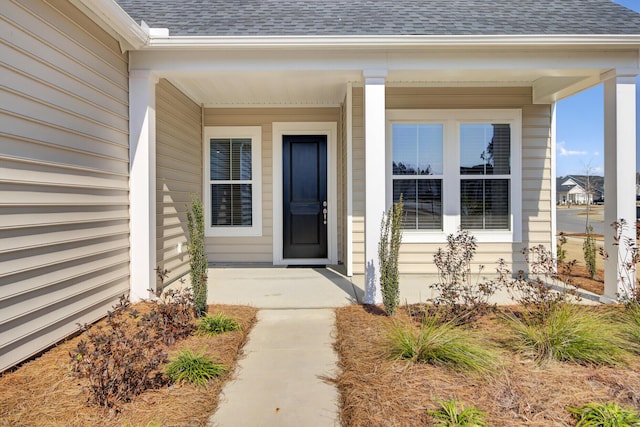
(345, 92)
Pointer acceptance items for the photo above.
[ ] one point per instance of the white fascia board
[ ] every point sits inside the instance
(394, 41)
(113, 19)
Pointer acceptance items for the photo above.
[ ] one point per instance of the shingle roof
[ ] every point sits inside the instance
(383, 17)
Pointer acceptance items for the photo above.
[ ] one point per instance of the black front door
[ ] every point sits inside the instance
(304, 196)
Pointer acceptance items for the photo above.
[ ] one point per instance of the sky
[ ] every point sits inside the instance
(580, 127)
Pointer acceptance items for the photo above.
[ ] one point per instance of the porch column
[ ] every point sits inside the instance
(619, 172)
(142, 183)
(374, 136)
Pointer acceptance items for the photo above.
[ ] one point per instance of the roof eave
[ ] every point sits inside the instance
(394, 41)
(113, 19)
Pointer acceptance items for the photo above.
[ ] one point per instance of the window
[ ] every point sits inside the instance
(485, 151)
(417, 174)
(233, 183)
(456, 169)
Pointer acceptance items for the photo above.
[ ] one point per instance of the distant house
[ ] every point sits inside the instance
(297, 123)
(579, 189)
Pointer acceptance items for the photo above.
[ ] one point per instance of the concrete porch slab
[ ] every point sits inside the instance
(269, 287)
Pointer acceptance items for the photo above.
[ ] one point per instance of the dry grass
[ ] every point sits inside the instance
(43, 392)
(377, 391)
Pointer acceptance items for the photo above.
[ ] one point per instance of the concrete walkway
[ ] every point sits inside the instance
(279, 382)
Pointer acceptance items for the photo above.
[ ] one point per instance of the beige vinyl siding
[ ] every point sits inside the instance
(64, 200)
(358, 179)
(178, 175)
(417, 258)
(258, 249)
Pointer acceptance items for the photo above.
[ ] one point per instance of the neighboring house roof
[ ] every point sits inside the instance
(565, 184)
(384, 17)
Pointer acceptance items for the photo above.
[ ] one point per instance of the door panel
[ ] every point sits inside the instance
(304, 191)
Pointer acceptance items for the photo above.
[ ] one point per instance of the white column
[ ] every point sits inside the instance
(374, 136)
(349, 161)
(619, 172)
(142, 183)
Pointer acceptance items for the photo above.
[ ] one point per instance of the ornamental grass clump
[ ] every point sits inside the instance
(604, 415)
(568, 333)
(193, 368)
(441, 344)
(218, 324)
(449, 414)
(388, 252)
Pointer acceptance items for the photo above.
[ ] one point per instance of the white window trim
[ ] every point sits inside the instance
(330, 129)
(255, 133)
(451, 119)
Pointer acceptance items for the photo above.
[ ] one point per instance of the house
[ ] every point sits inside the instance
(579, 189)
(298, 123)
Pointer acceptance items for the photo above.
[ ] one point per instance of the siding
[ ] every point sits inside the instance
(258, 249)
(64, 231)
(178, 174)
(416, 258)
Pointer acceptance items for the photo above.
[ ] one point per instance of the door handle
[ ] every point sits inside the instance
(324, 211)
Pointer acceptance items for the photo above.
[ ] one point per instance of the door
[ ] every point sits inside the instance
(304, 196)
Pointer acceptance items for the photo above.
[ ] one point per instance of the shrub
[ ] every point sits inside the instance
(568, 333)
(218, 324)
(442, 344)
(560, 250)
(119, 360)
(536, 291)
(459, 296)
(450, 415)
(171, 316)
(604, 415)
(198, 262)
(589, 250)
(193, 368)
(388, 252)
(629, 251)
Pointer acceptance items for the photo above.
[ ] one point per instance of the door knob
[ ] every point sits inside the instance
(324, 211)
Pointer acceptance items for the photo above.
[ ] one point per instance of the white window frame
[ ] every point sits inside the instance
(451, 121)
(247, 132)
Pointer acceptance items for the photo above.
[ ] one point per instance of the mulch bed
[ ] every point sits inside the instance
(43, 392)
(376, 391)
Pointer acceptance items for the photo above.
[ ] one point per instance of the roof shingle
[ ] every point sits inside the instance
(384, 17)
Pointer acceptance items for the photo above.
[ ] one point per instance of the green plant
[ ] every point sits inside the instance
(198, 262)
(442, 344)
(604, 415)
(120, 360)
(631, 326)
(218, 324)
(388, 252)
(458, 295)
(568, 333)
(193, 368)
(560, 250)
(450, 415)
(589, 250)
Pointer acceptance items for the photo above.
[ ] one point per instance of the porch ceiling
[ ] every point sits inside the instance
(225, 88)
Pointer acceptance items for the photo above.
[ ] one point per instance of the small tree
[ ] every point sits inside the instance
(197, 256)
(589, 249)
(388, 251)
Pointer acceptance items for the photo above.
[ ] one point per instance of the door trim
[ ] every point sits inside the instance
(330, 129)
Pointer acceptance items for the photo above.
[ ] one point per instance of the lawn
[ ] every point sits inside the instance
(44, 392)
(376, 390)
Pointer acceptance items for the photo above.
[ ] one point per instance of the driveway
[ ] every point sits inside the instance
(573, 220)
